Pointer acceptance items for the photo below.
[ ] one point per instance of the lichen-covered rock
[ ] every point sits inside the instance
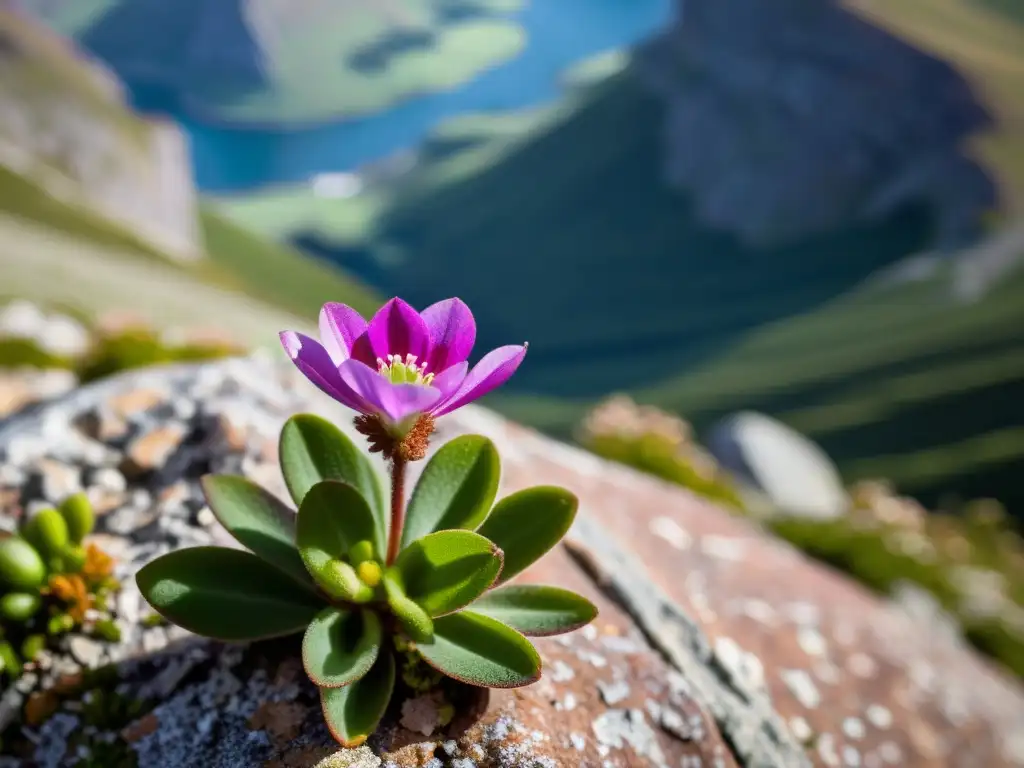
(716, 645)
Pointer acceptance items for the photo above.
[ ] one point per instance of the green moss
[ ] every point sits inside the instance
(275, 273)
(874, 558)
(141, 347)
(23, 198)
(658, 456)
(17, 353)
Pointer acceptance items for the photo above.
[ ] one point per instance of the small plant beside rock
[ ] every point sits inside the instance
(372, 583)
(54, 582)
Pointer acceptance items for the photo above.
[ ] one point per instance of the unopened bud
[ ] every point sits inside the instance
(340, 580)
(369, 573)
(361, 552)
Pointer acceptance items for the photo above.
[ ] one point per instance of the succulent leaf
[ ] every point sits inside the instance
(479, 650)
(21, 566)
(78, 515)
(339, 647)
(414, 620)
(354, 711)
(536, 610)
(527, 524)
(447, 570)
(19, 606)
(456, 489)
(258, 520)
(226, 594)
(47, 532)
(312, 450)
(333, 518)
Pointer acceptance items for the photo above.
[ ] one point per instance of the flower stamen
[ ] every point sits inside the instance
(407, 371)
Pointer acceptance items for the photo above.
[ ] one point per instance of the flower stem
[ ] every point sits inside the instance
(397, 506)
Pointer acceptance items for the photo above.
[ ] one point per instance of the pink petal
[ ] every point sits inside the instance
(398, 329)
(340, 326)
(395, 401)
(447, 382)
(452, 333)
(316, 365)
(492, 371)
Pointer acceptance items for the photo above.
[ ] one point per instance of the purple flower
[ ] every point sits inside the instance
(401, 364)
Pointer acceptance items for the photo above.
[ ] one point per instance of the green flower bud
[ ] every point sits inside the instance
(20, 565)
(361, 552)
(56, 565)
(19, 606)
(74, 559)
(78, 514)
(414, 620)
(340, 580)
(47, 532)
(32, 646)
(369, 573)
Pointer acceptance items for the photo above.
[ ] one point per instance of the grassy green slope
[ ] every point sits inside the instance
(626, 292)
(319, 59)
(237, 260)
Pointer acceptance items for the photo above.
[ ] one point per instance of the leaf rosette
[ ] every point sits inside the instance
(367, 585)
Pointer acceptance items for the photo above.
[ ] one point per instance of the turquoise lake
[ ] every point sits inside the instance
(559, 32)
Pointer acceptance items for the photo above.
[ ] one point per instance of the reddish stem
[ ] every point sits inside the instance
(397, 507)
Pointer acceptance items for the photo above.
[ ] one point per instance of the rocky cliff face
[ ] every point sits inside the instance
(792, 118)
(64, 124)
(716, 645)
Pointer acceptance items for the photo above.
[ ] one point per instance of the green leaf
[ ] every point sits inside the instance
(414, 620)
(447, 570)
(537, 610)
(527, 524)
(333, 517)
(312, 449)
(258, 520)
(226, 594)
(456, 489)
(354, 711)
(481, 651)
(339, 647)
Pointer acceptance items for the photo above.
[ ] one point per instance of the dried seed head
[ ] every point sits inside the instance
(411, 447)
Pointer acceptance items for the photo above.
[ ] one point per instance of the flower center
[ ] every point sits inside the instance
(399, 371)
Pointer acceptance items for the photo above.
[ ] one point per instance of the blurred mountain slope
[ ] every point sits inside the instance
(65, 232)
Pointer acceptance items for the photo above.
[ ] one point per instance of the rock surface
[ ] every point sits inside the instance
(716, 645)
(808, 118)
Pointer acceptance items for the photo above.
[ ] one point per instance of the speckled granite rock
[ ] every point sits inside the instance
(716, 645)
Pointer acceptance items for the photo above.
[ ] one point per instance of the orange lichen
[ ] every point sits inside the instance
(98, 565)
(72, 590)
